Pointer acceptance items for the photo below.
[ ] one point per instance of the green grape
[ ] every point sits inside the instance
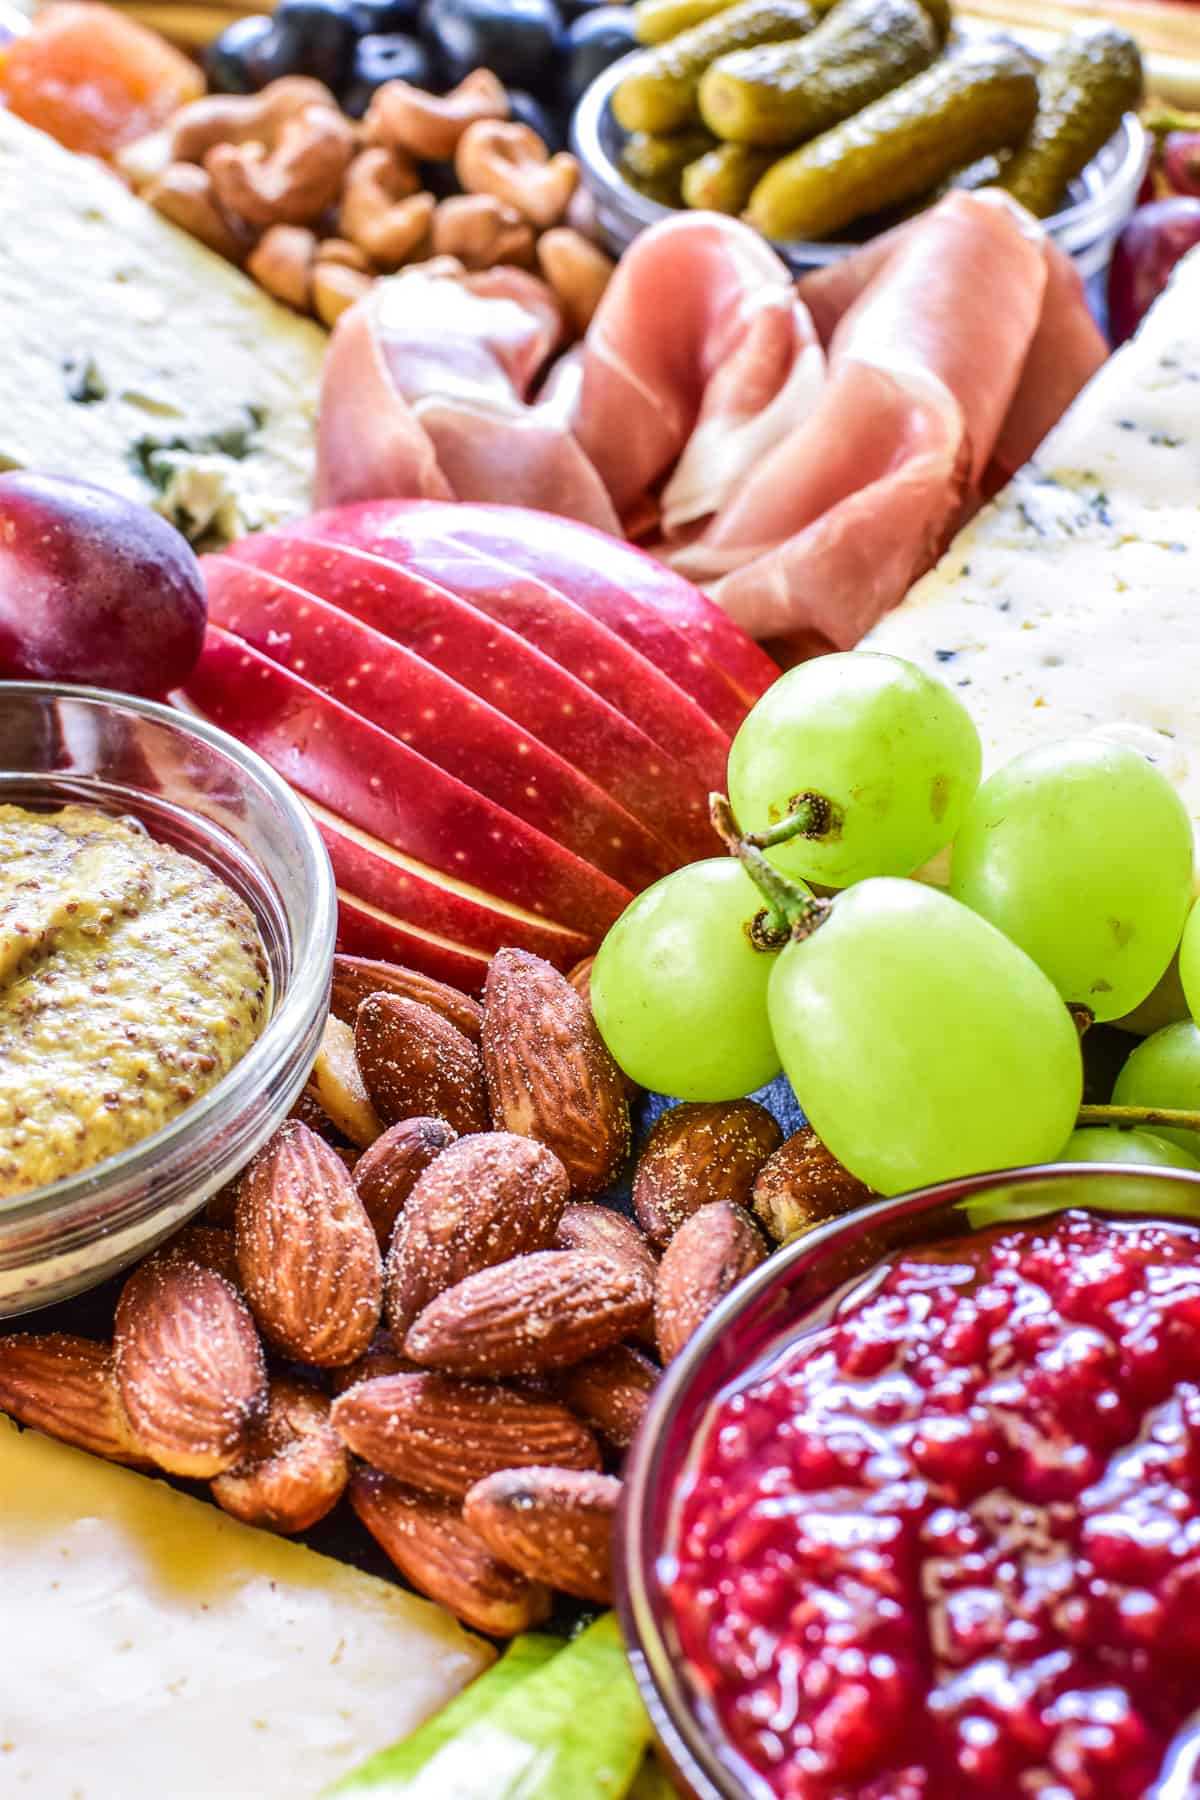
(1105, 1144)
(1164, 1071)
(679, 992)
(1081, 853)
(1189, 961)
(891, 747)
(920, 1042)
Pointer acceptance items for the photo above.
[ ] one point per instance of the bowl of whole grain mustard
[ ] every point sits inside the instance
(167, 917)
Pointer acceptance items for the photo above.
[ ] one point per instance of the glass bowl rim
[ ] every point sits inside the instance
(691, 1747)
(312, 962)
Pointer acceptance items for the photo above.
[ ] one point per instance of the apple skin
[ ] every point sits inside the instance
(363, 932)
(512, 674)
(94, 588)
(391, 687)
(384, 789)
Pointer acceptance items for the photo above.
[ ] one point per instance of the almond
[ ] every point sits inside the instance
(554, 1525)
(611, 1391)
(441, 1435)
(295, 1467)
(337, 1086)
(310, 1112)
(67, 1387)
(190, 1366)
(485, 1199)
(698, 1153)
(385, 1174)
(417, 1065)
(802, 1185)
(585, 1226)
(306, 1250)
(549, 1073)
(580, 978)
(354, 977)
(382, 1356)
(210, 1246)
(435, 1549)
(542, 1311)
(704, 1261)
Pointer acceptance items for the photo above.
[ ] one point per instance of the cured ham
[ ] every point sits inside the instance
(803, 451)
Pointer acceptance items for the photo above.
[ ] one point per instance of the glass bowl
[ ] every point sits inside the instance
(196, 788)
(795, 1290)
(1100, 200)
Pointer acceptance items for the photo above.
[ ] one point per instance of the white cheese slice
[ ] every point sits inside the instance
(1072, 603)
(152, 1646)
(133, 357)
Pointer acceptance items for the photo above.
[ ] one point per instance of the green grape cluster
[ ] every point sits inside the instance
(927, 1035)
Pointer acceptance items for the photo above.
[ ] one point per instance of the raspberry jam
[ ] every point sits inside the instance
(948, 1543)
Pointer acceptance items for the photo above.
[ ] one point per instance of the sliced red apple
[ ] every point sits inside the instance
(365, 931)
(513, 675)
(380, 786)
(387, 683)
(543, 616)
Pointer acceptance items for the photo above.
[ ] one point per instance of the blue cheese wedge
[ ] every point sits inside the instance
(1072, 603)
(153, 1647)
(139, 360)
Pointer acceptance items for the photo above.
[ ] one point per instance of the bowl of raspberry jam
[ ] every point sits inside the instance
(916, 1514)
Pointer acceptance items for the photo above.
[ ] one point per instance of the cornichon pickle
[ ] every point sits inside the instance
(784, 93)
(980, 98)
(659, 92)
(655, 165)
(654, 21)
(723, 179)
(1083, 89)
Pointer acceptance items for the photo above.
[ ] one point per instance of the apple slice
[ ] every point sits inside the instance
(365, 931)
(377, 785)
(386, 683)
(593, 653)
(511, 674)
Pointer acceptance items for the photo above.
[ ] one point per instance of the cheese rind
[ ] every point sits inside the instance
(1072, 603)
(135, 358)
(154, 1646)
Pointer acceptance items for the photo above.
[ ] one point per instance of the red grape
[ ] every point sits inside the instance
(1154, 240)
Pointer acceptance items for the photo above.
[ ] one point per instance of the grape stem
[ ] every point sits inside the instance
(1177, 1118)
(810, 815)
(791, 911)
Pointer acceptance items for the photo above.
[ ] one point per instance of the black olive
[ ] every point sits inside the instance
(318, 38)
(516, 39)
(528, 111)
(246, 55)
(380, 59)
(590, 43)
(382, 18)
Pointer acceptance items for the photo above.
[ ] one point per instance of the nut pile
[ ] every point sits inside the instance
(316, 205)
(413, 1298)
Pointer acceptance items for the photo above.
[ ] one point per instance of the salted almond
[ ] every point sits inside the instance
(337, 1085)
(802, 1185)
(611, 1391)
(485, 1199)
(382, 1356)
(705, 1260)
(443, 1557)
(543, 1311)
(549, 1073)
(585, 1226)
(211, 1246)
(67, 1387)
(441, 1435)
(190, 1366)
(416, 1064)
(698, 1153)
(295, 1467)
(580, 978)
(355, 977)
(307, 1252)
(554, 1525)
(385, 1175)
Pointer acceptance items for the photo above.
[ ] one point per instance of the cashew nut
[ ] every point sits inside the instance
(511, 162)
(293, 183)
(338, 250)
(577, 270)
(428, 126)
(335, 288)
(282, 262)
(184, 193)
(481, 231)
(381, 210)
(240, 118)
